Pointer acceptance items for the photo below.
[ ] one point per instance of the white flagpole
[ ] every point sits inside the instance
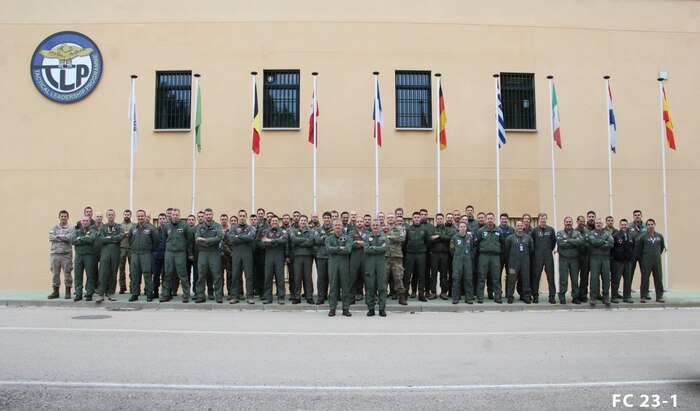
(437, 138)
(194, 139)
(551, 138)
(376, 144)
(252, 153)
(314, 108)
(607, 103)
(498, 151)
(663, 168)
(132, 117)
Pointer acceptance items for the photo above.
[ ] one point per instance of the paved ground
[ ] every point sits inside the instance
(87, 358)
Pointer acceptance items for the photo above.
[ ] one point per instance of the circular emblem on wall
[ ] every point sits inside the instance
(66, 67)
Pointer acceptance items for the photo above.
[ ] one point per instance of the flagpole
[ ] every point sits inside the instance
(551, 138)
(498, 155)
(437, 138)
(313, 108)
(663, 168)
(132, 117)
(376, 145)
(608, 102)
(252, 154)
(194, 141)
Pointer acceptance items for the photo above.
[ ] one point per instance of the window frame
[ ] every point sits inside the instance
(157, 116)
(398, 101)
(511, 95)
(267, 100)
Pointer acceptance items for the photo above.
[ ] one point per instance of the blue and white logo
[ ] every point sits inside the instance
(66, 67)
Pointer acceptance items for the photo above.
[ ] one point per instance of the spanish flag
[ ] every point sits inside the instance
(669, 124)
(442, 121)
(256, 120)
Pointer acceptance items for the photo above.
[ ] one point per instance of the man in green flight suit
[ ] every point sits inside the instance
(241, 238)
(338, 246)
(208, 236)
(545, 239)
(649, 246)
(275, 240)
(518, 249)
(178, 247)
(601, 242)
(439, 257)
(143, 240)
(568, 244)
(376, 245)
(489, 242)
(83, 240)
(110, 235)
(462, 249)
(302, 238)
(417, 240)
(322, 257)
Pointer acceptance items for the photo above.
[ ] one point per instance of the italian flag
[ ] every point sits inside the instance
(556, 131)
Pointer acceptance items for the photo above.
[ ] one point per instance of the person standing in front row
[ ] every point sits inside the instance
(208, 236)
(376, 245)
(178, 248)
(601, 242)
(568, 245)
(545, 239)
(338, 246)
(649, 247)
(61, 255)
(111, 235)
(519, 248)
(622, 263)
(462, 249)
(83, 239)
(143, 240)
(489, 242)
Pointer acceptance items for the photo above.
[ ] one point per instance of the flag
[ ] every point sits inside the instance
(256, 120)
(612, 126)
(670, 140)
(501, 132)
(555, 117)
(442, 120)
(198, 120)
(313, 124)
(133, 119)
(377, 114)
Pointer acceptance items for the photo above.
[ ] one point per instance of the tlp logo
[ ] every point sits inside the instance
(66, 67)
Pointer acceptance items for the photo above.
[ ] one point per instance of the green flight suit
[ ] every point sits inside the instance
(241, 238)
(208, 260)
(545, 239)
(518, 250)
(417, 240)
(110, 238)
(375, 247)
(338, 267)
(489, 242)
(302, 240)
(568, 246)
(462, 250)
(357, 259)
(440, 258)
(275, 252)
(178, 247)
(143, 240)
(84, 244)
(322, 261)
(584, 265)
(601, 242)
(648, 249)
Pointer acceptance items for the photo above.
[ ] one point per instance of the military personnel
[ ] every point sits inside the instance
(381, 217)
(649, 246)
(545, 239)
(375, 247)
(461, 249)
(241, 239)
(506, 230)
(396, 235)
(472, 224)
(87, 211)
(345, 219)
(191, 258)
(322, 257)
(178, 249)
(601, 242)
(417, 240)
(286, 225)
(225, 257)
(519, 247)
(622, 258)
(276, 242)
(636, 228)
(158, 269)
(302, 239)
(314, 223)
(568, 245)
(61, 255)
(83, 239)
(143, 239)
(125, 252)
(590, 225)
(584, 259)
(610, 225)
(358, 232)
(439, 258)
(208, 236)
(489, 242)
(338, 246)
(97, 251)
(110, 235)
(457, 218)
(259, 253)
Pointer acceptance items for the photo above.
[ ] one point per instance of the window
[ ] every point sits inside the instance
(413, 99)
(518, 94)
(281, 99)
(173, 97)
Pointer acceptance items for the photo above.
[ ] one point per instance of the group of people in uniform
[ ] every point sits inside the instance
(355, 257)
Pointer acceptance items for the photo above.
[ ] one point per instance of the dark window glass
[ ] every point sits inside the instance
(518, 95)
(173, 97)
(281, 98)
(413, 99)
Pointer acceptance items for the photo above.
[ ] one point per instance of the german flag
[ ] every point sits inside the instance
(442, 134)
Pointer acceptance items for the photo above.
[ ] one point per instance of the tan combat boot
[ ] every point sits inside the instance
(54, 294)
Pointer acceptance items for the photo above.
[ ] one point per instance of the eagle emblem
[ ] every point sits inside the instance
(65, 53)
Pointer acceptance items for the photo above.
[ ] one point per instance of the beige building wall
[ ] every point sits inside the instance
(58, 156)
